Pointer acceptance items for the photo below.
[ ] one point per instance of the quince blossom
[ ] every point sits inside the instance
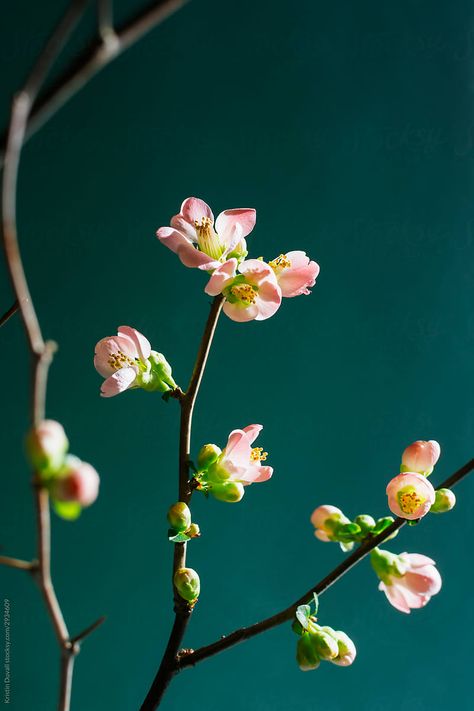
(410, 495)
(408, 580)
(421, 457)
(127, 361)
(252, 294)
(199, 241)
(324, 519)
(236, 466)
(295, 273)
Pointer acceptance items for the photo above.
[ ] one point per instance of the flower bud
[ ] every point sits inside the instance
(387, 564)
(445, 500)
(47, 445)
(76, 482)
(420, 457)
(306, 655)
(158, 376)
(208, 455)
(346, 650)
(365, 522)
(179, 516)
(187, 583)
(193, 531)
(325, 645)
(229, 491)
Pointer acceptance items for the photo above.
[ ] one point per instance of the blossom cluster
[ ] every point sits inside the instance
(252, 288)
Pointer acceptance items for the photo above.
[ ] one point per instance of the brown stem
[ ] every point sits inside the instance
(168, 665)
(8, 314)
(97, 56)
(244, 633)
(17, 563)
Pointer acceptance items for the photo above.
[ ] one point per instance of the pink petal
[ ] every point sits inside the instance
(395, 597)
(416, 560)
(192, 257)
(252, 432)
(142, 344)
(255, 270)
(118, 382)
(110, 346)
(230, 223)
(322, 535)
(265, 474)
(426, 581)
(268, 299)
(239, 313)
(238, 448)
(294, 281)
(173, 239)
(222, 276)
(195, 209)
(180, 224)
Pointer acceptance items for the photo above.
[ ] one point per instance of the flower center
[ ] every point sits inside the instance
(258, 455)
(245, 293)
(280, 263)
(208, 240)
(410, 501)
(119, 360)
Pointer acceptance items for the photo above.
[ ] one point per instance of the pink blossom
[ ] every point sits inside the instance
(252, 294)
(123, 361)
(321, 516)
(239, 461)
(420, 581)
(78, 482)
(421, 457)
(295, 273)
(47, 445)
(410, 495)
(201, 243)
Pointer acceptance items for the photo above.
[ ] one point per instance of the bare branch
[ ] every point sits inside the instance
(17, 563)
(8, 314)
(85, 633)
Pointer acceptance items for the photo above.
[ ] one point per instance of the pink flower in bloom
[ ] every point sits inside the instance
(295, 273)
(416, 586)
(239, 461)
(410, 495)
(252, 294)
(79, 482)
(321, 516)
(201, 243)
(421, 457)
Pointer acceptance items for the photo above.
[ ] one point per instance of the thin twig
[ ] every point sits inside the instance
(105, 20)
(27, 565)
(8, 314)
(183, 610)
(97, 56)
(240, 635)
(88, 630)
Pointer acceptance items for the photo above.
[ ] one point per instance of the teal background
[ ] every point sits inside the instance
(349, 127)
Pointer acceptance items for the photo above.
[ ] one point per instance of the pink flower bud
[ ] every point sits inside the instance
(410, 495)
(78, 482)
(409, 582)
(324, 519)
(421, 457)
(47, 445)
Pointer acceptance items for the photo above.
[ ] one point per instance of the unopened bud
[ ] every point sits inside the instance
(187, 583)
(76, 482)
(193, 531)
(365, 522)
(420, 457)
(208, 455)
(47, 445)
(229, 491)
(306, 655)
(325, 645)
(159, 375)
(179, 516)
(445, 500)
(346, 650)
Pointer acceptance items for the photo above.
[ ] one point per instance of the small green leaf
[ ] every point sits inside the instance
(382, 524)
(316, 603)
(69, 510)
(346, 547)
(177, 537)
(302, 615)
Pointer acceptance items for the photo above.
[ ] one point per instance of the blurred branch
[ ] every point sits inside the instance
(183, 610)
(28, 565)
(8, 314)
(190, 659)
(97, 56)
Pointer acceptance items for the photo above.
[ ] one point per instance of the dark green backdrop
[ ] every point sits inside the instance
(349, 127)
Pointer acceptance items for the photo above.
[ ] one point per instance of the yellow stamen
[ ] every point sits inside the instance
(409, 501)
(245, 293)
(208, 240)
(119, 360)
(203, 228)
(258, 455)
(280, 263)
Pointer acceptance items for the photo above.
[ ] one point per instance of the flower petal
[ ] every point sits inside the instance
(395, 597)
(416, 560)
(221, 277)
(252, 432)
(173, 239)
(238, 448)
(192, 257)
(265, 473)
(268, 299)
(295, 281)
(118, 382)
(239, 221)
(142, 344)
(240, 313)
(112, 345)
(194, 208)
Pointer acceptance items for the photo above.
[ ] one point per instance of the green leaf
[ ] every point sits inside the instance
(69, 510)
(316, 603)
(302, 615)
(346, 546)
(177, 537)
